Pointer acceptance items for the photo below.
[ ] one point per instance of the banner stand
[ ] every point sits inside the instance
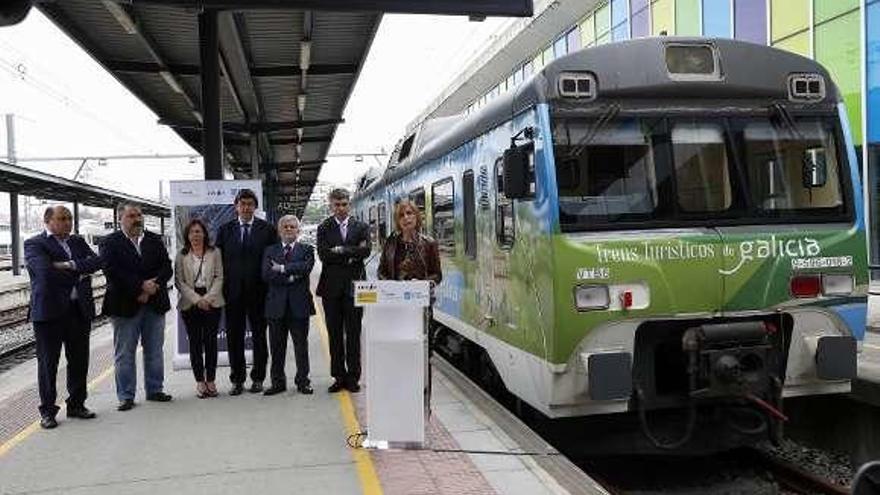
(395, 352)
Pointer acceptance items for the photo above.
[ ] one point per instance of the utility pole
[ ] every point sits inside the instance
(14, 226)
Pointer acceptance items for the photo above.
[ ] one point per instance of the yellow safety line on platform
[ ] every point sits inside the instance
(365, 469)
(35, 426)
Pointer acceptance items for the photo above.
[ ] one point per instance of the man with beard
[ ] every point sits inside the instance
(138, 269)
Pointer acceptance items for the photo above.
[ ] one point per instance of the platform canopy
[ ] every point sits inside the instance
(286, 70)
(14, 179)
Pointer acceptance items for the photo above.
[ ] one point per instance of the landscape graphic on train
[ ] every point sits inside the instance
(634, 208)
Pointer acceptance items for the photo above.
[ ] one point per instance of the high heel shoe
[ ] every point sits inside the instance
(212, 389)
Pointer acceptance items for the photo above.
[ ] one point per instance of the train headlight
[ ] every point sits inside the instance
(577, 85)
(589, 297)
(837, 284)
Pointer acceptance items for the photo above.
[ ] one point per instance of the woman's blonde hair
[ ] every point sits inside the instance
(399, 210)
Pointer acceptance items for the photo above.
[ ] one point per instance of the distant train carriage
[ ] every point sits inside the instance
(667, 232)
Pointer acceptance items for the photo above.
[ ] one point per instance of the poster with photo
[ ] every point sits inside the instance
(212, 202)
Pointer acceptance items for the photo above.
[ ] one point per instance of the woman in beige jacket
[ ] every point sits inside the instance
(198, 276)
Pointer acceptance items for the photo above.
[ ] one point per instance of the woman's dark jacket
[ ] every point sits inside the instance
(428, 252)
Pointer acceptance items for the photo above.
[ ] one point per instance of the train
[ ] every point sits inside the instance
(649, 245)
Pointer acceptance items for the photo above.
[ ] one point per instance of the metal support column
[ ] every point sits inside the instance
(162, 226)
(212, 135)
(255, 158)
(76, 218)
(14, 225)
(16, 233)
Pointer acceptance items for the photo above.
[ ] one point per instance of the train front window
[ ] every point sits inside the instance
(793, 167)
(604, 171)
(641, 171)
(701, 170)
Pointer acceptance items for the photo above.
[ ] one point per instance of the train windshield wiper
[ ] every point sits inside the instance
(607, 116)
(780, 117)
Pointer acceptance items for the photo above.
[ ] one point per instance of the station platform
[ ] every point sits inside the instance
(289, 443)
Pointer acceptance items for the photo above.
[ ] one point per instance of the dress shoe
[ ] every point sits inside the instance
(256, 387)
(353, 387)
(274, 389)
(48, 422)
(159, 397)
(125, 405)
(81, 412)
(237, 389)
(305, 389)
(336, 387)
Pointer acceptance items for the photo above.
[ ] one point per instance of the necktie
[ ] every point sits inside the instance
(287, 250)
(343, 227)
(63, 242)
(245, 231)
(66, 247)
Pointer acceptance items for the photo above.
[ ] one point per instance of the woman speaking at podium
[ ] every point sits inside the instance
(408, 254)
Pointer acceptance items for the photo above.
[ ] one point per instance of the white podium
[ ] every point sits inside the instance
(394, 329)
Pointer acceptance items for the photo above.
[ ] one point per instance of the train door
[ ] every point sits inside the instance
(500, 312)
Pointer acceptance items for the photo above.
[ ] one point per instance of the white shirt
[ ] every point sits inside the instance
(136, 241)
(66, 247)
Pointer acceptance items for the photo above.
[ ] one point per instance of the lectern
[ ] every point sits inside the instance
(394, 331)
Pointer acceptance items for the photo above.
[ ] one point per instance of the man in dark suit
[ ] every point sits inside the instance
(242, 242)
(61, 309)
(137, 268)
(289, 305)
(343, 244)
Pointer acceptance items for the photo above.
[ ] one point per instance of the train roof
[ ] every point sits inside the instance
(632, 70)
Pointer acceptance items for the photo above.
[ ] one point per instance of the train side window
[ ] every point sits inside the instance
(418, 197)
(470, 224)
(373, 224)
(443, 216)
(383, 223)
(505, 232)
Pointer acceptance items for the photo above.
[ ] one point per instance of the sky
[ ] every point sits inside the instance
(65, 104)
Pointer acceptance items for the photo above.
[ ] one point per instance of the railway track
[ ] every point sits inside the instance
(13, 318)
(746, 470)
(794, 478)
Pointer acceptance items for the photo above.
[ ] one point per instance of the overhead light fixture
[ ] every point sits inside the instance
(122, 16)
(299, 150)
(102, 162)
(171, 80)
(299, 134)
(358, 158)
(301, 104)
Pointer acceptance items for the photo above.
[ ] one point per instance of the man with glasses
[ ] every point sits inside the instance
(343, 244)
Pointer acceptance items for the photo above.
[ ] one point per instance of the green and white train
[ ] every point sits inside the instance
(669, 230)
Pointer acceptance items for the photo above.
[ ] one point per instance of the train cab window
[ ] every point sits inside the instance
(470, 224)
(792, 169)
(701, 167)
(605, 172)
(505, 232)
(374, 222)
(443, 217)
(383, 223)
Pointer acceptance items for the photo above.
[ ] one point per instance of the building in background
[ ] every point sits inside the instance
(843, 35)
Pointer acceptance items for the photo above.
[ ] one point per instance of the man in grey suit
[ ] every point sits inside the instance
(289, 305)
